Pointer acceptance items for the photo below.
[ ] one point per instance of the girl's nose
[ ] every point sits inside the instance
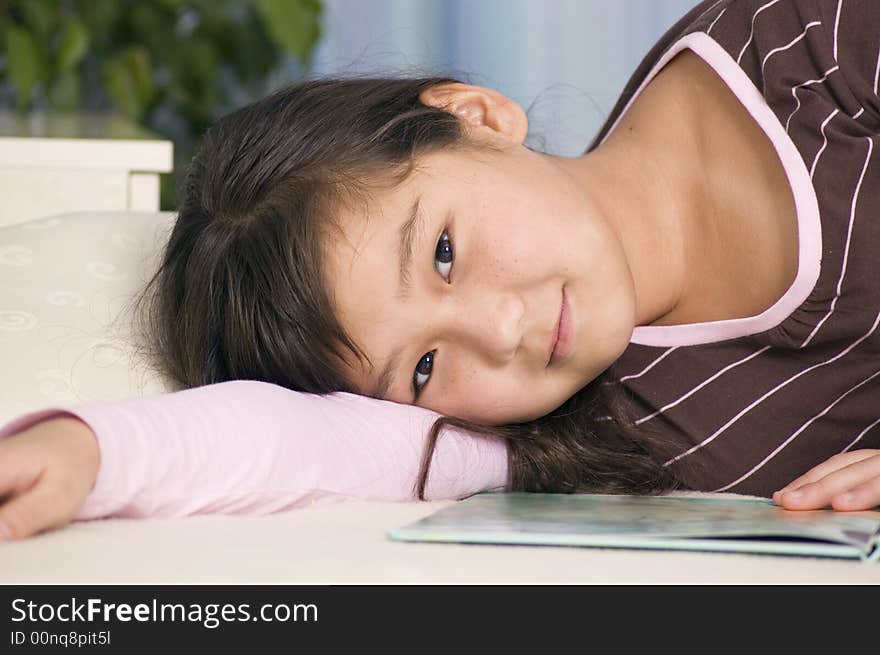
(490, 323)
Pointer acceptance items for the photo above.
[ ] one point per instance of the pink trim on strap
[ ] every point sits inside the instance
(807, 206)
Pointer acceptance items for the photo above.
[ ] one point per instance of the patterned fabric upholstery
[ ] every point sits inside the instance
(66, 286)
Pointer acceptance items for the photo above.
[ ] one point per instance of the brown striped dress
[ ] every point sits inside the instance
(751, 403)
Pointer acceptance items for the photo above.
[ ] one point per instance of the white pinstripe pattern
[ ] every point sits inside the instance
(720, 14)
(836, 24)
(794, 435)
(719, 431)
(752, 32)
(824, 142)
(802, 85)
(701, 385)
(852, 218)
(709, 10)
(860, 435)
(877, 73)
(649, 366)
(789, 44)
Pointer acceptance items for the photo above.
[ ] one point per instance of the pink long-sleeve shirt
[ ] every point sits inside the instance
(253, 447)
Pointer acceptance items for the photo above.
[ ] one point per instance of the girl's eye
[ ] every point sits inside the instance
(423, 372)
(443, 256)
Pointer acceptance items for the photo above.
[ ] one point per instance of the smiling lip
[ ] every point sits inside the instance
(562, 338)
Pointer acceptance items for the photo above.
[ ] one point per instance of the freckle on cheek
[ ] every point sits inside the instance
(464, 379)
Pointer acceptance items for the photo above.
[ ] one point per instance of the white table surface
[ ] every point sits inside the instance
(345, 543)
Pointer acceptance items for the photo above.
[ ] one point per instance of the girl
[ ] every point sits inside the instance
(368, 277)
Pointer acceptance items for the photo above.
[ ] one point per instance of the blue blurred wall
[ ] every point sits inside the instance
(570, 58)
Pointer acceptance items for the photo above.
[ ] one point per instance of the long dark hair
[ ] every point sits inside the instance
(240, 292)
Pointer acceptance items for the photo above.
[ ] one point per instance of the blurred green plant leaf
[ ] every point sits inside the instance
(130, 82)
(195, 64)
(65, 92)
(74, 44)
(23, 63)
(147, 20)
(293, 24)
(103, 19)
(40, 16)
(172, 66)
(247, 51)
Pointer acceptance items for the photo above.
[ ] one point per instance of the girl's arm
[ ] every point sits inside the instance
(253, 447)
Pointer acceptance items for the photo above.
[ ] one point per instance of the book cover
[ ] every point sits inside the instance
(673, 521)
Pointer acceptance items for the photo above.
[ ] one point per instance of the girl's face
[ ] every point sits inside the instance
(457, 305)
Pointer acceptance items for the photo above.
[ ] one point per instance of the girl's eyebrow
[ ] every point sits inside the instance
(406, 243)
(407, 232)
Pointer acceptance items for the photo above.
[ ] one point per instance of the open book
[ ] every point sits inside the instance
(679, 520)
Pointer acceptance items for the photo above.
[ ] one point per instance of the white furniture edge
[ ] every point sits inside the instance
(129, 154)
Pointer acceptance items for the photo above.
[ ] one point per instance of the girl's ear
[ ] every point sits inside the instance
(480, 108)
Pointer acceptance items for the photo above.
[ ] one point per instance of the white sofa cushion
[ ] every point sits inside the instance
(66, 286)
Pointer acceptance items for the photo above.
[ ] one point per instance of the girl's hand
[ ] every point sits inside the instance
(46, 472)
(848, 481)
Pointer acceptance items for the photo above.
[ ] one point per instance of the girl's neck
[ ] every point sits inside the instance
(698, 198)
(648, 181)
